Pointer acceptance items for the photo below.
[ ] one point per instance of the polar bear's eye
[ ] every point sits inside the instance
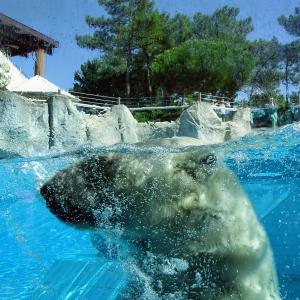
(210, 159)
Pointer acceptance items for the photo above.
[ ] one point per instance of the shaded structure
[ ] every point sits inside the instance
(19, 39)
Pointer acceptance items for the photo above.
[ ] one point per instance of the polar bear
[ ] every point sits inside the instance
(182, 205)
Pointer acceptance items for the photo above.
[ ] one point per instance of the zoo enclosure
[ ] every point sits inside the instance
(100, 102)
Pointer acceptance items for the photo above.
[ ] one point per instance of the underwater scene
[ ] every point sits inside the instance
(45, 257)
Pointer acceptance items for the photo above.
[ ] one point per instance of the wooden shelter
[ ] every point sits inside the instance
(19, 39)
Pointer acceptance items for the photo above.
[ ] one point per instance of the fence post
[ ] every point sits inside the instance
(199, 97)
(119, 100)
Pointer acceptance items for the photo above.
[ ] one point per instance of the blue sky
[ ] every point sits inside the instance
(62, 19)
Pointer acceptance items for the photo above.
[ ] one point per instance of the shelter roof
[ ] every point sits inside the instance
(19, 39)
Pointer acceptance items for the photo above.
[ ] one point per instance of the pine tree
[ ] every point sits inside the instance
(290, 53)
(291, 23)
(223, 24)
(120, 34)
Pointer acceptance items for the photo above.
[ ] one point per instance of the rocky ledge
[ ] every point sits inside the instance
(30, 128)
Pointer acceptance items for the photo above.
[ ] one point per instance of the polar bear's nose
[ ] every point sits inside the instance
(62, 208)
(48, 193)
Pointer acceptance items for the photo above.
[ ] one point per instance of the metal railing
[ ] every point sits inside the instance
(104, 103)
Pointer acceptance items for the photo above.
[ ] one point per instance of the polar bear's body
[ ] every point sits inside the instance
(176, 205)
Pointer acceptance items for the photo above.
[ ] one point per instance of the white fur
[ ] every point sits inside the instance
(183, 206)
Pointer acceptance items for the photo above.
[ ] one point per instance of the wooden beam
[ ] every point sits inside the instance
(40, 62)
(22, 29)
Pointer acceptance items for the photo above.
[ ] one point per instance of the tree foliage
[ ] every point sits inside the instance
(277, 64)
(290, 53)
(127, 29)
(142, 50)
(272, 98)
(104, 77)
(180, 29)
(266, 75)
(212, 66)
(291, 23)
(289, 65)
(223, 24)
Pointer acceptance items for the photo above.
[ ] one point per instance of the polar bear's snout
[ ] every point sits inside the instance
(60, 204)
(50, 195)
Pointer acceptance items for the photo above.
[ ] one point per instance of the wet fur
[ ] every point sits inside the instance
(181, 205)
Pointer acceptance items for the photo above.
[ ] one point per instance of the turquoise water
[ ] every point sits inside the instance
(42, 258)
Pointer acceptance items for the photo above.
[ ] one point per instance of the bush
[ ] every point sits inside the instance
(266, 99)
(156, 115)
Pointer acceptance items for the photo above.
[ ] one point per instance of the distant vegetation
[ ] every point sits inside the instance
(144, 52)
(157, 115)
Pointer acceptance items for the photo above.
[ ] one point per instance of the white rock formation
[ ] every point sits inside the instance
(240, 124)
(101, 131)
(67, 125)
(72, 129)
(23, 125)
(201, 122)
(116, 126)
(26, 128)
(156, 130)
(127, 124)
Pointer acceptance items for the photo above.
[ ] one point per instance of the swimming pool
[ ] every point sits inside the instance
(43, 258)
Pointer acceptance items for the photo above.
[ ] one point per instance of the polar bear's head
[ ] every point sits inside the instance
(84, 190)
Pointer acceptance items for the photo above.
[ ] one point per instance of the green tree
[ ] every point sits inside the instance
(291, 23)
(266, 75)
(290, 53)
(214, 66)
(150, 42)
(223, 24)
(273, 97)
(120, 33)
(180, 29)
(98, 76)
(289, 65)
(133, 33)
(160, 32)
